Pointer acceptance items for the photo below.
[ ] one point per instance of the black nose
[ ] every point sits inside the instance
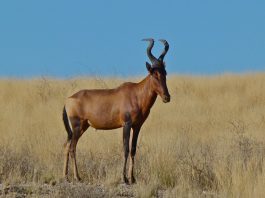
(166, 99)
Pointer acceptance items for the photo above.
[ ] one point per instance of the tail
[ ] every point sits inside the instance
(66, 125)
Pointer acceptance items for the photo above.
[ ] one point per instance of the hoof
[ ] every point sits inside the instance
(77, 179)
(133, 181)
(126, 181)
(64, 180)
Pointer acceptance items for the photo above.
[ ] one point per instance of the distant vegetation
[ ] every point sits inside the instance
(208, 141)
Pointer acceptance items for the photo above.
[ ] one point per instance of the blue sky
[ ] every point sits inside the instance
(65, 38)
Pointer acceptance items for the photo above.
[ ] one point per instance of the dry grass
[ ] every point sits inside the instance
(209, 141)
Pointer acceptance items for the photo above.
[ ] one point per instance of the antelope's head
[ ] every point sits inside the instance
(157, 70)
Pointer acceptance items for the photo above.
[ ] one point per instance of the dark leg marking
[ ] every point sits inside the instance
(136, 131)
(79, 127)
(126, 139)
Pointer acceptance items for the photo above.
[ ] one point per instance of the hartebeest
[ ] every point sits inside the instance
(126, 106)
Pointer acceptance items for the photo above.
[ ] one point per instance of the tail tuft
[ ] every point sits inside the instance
(66, 125)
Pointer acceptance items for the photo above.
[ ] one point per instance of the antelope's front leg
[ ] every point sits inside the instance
(126, 139)
(136, 131)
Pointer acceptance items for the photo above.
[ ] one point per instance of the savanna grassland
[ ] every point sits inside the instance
(209, 141)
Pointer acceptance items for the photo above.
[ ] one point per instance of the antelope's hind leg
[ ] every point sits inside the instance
(66, 159)
(79, 127)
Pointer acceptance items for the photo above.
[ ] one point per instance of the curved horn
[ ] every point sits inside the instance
(161, 57)
(149, 48)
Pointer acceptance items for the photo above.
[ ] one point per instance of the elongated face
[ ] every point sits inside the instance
(157, 70)
(159, 82)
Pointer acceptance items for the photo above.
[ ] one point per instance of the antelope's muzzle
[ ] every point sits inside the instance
(166, 98)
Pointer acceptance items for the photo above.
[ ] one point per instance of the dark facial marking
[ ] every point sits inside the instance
(160, 70)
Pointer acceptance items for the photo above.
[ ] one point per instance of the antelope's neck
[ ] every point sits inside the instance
(146, 95)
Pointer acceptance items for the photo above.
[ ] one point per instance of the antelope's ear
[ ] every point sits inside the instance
(149, 67)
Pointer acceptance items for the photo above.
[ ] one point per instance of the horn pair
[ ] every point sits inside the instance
(152, 58)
